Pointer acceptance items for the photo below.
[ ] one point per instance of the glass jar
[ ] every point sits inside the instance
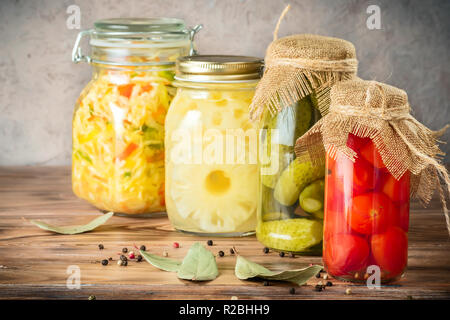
(291, 197)
(118, 123)
(366, 216)
(211, 163)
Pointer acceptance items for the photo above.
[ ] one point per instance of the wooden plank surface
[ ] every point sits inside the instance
(34, 262)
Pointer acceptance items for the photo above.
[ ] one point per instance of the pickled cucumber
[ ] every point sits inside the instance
(292, 121)
(276, 152)
(272, 216)
(294, 179)
(312, 197)
(293, 235)
(318, 214)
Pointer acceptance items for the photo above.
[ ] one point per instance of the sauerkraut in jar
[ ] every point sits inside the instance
(211, 163)
(118, 124)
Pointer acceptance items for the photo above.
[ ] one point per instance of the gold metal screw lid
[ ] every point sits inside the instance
(218, 68)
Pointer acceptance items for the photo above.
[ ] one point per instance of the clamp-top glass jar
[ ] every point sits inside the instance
(211, 159)
(118, 124)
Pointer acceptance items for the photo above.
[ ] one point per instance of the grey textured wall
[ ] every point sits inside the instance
(39, 84)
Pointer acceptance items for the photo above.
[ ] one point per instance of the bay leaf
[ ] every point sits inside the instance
(246, 269)
(162, 263)
(74, 229)
(198, 265)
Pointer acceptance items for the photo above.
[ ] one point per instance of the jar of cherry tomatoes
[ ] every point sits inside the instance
(376, 155)
(366, 215)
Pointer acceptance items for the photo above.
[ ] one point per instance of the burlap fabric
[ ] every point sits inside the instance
(297, 65)
(382, 113)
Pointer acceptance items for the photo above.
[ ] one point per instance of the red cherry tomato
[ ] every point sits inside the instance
(353, 177)
(345, 253)
(390, 251)
(400, 218)
(370, 213)
(371, 154)
(334, 223)
(398, 191)
(334, 198)
(356, 143)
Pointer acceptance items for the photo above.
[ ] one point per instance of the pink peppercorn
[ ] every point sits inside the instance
(176, 245)
(131, 255)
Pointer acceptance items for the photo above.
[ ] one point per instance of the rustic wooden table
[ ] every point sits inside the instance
(34, 262)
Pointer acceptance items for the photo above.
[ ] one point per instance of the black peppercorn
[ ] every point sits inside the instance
(329, 284)
(318, 288)
(292, 290)
(124, 250)
(232, 251)
(266, 283)
(282, 254)
(266, 250)
(124, 263)
(139, 258)
(110, 259)
(209, 242)
(318, 275)
(143, 248)
(123, 258)
(221, 253)
(101, 247)
(104, 262)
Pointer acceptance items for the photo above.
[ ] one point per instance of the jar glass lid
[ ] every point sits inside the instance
(111, 39)
(140, 33)
(140, 25)
(218, 68)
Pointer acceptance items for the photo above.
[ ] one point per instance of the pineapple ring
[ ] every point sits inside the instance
(216, 198)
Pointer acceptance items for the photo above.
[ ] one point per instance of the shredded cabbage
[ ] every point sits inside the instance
(118, 140)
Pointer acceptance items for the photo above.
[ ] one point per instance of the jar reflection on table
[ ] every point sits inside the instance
(366, 216)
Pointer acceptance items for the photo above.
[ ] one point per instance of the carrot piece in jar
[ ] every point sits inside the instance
(126, 90)
(160, 114)
(146, 88)
(156, 157)
(127, 151)
(161, 193)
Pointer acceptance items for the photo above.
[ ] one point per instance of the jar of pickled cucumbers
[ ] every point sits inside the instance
(211, 146)
(290, 216)
(118, 123)
(366, 215)
(290, 98)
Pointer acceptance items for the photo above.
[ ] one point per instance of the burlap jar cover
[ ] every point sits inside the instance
(298, 65)
(382, 113)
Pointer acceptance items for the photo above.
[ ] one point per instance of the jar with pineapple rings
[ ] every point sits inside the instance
(290, 98)
(211, 146)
